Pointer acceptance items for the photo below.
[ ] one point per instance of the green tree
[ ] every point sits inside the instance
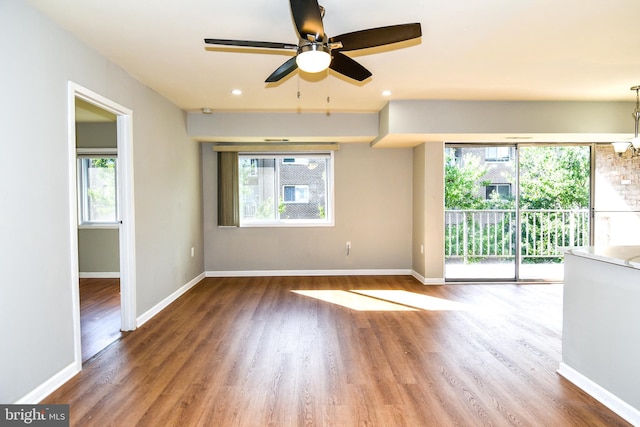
(554, 177)
(461, 182)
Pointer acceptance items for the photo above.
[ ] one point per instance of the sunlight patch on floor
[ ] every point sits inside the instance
(411, 299)
(384, 300)
(354, 301)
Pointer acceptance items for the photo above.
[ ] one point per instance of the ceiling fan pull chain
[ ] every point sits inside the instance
(328, 88)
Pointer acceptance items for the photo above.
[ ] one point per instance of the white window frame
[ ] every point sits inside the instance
(94, 153)
(328, 221)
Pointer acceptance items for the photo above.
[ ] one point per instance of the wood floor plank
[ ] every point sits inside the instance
(99, 314)
(339, 351)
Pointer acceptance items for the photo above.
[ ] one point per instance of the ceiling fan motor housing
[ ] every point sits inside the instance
(313, 57)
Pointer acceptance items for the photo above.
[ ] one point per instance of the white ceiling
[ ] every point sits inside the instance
(470, 49)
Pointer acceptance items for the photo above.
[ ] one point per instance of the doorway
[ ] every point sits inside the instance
(122, 224)
(509, 209)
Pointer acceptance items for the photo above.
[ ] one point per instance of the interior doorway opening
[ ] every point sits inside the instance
(120, 224)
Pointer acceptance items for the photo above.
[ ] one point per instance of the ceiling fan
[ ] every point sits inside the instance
(316, 52)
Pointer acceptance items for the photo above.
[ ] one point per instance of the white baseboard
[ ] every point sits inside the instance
(262, 273)
(53, 383)
(49, 386)
(99, 275)
(142, 319)
(608, 399)
(427, 280)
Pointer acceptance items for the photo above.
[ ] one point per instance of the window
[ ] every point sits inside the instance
(502, 190)
(97, 189)
(296, 193)
(285, 189)
(497, 154)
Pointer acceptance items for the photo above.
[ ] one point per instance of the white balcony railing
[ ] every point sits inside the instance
(474, 235)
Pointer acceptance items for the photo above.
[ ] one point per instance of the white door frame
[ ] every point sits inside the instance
(125, 204)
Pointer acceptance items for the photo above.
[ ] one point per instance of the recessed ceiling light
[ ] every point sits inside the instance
(386, 93)
(236, 92)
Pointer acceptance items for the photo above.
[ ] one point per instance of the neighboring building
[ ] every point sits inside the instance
(499, 162)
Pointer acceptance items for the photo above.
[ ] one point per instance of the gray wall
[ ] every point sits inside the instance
(98, 250)
(428, 211)
(35, 247)
(373, 199)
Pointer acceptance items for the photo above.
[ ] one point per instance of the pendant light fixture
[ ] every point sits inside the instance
(621, 146)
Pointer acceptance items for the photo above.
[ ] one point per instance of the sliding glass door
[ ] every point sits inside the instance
(480, 215)
(510, 208)
(553, 206)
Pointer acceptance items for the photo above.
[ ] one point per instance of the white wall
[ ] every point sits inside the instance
(38, 59)
(373, 198)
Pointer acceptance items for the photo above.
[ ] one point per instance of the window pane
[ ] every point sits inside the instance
(282, 189)
(257, 189)
(306, 177)
(98, 191)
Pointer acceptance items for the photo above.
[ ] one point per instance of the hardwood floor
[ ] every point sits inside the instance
(99, 314)
(254, 352)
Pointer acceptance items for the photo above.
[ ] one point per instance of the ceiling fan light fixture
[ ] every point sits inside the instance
(313, 58)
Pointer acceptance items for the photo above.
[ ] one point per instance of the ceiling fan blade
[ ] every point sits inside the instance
(249, 43)
(342, 64)
(377, 36)
(308, 19)
(283, 71)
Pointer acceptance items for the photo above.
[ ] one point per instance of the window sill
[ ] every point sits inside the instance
(109, 226)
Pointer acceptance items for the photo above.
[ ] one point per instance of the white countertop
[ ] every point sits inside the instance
(628, 256)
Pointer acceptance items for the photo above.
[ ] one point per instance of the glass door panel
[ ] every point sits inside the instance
(480, 216)
(553, 204)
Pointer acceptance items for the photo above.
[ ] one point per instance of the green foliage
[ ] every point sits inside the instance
(554, 178)
(106, 162)
(461, 183)
(265, 209)
(495, 201)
